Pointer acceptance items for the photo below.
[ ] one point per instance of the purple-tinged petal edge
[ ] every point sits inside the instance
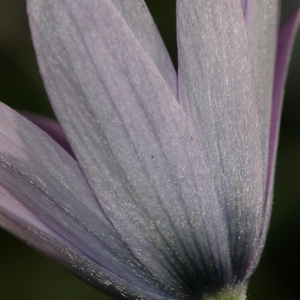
(52, 128)
(284, 49)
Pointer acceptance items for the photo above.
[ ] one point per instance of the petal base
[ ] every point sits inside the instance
(236, 293)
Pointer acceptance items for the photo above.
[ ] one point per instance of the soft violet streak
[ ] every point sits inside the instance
(284, 49)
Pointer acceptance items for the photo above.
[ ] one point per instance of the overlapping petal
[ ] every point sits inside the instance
(166, 195)
(217, 91)
(46, 201)
(135, 145)
(136, 15)
(52, 128)
(284, 48)
(262, 21)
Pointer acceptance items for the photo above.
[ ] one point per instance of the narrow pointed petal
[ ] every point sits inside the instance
(52, 128)
(284, 49)
(136, 147)
(45, 200)
(216, 89)
(261, 20)
(140, 22)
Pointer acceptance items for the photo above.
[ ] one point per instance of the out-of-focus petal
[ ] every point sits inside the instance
(140, 22)
(261, 19)
(52, 128)
(244, 4)
(134, 143)
(45, 200)
(216, 89)
(284, 49)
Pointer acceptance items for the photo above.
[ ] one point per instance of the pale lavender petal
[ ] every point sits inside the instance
(20, 221)
(135, 145)
(244, 5)
(216, 89)
(140, 22)
(261, 19)
(17, 219)
(45, 200)
(284, 49)
(52, 128)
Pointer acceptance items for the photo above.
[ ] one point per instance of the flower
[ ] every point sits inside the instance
(170, 193)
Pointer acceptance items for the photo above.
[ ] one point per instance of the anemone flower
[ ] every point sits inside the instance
(167, 191)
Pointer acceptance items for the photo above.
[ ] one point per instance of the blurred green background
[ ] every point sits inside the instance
(24, 274)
